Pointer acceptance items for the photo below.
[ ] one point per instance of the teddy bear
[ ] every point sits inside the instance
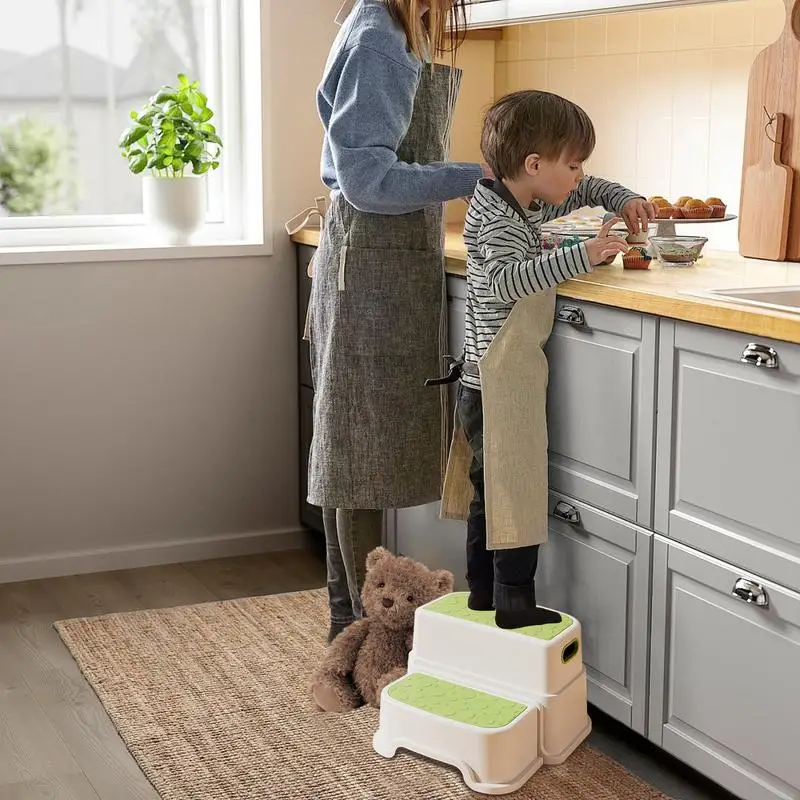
(372, 652)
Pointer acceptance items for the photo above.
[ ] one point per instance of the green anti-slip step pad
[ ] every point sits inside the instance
(455, 605)
(454, 702)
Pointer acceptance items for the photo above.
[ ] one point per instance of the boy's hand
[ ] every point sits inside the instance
(604, 245)
(637, 214)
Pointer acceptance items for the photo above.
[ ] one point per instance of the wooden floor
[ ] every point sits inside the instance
(57, 742)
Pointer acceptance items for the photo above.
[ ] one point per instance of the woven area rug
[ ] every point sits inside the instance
(212, 701)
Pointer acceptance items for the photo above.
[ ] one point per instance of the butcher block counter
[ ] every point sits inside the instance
(660, 290)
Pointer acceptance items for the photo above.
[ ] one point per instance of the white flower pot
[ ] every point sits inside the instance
(175, 207)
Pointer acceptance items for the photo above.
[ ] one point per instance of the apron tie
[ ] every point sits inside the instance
(344, 12)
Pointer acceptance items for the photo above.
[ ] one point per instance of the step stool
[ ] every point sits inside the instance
(495, 704)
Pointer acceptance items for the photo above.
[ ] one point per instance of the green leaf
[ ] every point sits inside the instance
(177, 164)
(214, 164)
(132, 135)
(187, 108)
(195, 84)
(212, 137)
(207, 127)
(184, 81)
(198, 98)
(137, 163)
(134, 115)
(201, 169)
(206, 114)
(167, 125)
(165, 95)
(194, 150)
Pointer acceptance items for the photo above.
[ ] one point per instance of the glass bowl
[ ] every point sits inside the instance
(678, 251)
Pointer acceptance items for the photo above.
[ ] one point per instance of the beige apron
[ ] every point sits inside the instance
(514, 376)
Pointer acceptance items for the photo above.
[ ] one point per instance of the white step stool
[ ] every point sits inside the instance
(495, 704)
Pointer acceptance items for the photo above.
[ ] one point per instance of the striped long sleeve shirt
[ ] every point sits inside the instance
(505, 261)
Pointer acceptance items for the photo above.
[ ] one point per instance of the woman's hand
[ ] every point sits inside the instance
(637, 214)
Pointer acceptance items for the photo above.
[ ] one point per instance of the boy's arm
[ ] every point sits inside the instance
(512, 275)
(592, 192)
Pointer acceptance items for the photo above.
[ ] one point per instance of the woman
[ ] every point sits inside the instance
(377, 311)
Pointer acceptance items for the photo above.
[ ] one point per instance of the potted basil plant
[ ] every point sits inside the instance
(173, 139)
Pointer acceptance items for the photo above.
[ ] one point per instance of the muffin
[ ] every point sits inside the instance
(696, 209)
(665, 212)
(636, 258)
(683, 200)
(717, 207)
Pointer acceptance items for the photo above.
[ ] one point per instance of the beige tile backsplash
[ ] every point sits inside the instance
(665, 88)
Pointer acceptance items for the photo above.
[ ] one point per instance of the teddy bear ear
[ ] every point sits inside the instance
(376, 556)
(443, 580)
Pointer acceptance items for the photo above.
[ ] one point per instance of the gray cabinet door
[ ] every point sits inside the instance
(597, 568)
(601, 405)
(724, 694)
(728, 471)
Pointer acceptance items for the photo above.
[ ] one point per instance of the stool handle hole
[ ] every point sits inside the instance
(569, 652)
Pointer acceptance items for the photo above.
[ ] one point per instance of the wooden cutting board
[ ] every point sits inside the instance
(775, 86)
(766, 198)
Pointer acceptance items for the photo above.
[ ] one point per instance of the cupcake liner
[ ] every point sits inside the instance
(697, 213)
(677, 213)
(718, 212)
(636, 263)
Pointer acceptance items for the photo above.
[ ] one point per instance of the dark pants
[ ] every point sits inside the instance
(506, 575)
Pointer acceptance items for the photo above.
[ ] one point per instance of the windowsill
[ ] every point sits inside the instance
(83, 253)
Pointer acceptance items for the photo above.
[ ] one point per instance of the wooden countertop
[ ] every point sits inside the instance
(658, 290)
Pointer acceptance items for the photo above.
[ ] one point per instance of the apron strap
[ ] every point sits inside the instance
(302, 219)
(344, 12)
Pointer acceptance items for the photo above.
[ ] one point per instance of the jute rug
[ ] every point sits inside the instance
(212, 701)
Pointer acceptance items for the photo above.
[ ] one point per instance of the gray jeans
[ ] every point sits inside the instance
(350, 534)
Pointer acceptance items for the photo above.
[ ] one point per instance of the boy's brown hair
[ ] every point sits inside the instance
(532, 121)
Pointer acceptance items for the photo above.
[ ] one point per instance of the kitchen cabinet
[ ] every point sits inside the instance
(674, 476)
(597, 567)
(728, 464)
(601, 407)
(723, 688)
(496, 13)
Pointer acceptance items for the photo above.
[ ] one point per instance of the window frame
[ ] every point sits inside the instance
(237, 200)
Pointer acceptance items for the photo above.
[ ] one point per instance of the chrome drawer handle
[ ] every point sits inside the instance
(572, 315)
(760, 355)
(567, 512)
(751, 592)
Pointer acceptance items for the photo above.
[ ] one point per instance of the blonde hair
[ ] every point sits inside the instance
(439, 30)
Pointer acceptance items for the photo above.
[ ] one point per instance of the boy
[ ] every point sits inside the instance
(536, 143)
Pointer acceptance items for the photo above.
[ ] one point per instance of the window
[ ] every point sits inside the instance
(71, 71)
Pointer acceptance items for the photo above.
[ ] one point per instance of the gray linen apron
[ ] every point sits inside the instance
(377, 326)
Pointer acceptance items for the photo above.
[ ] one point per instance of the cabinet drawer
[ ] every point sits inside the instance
(723, 687)
(597, 567)
(601, 406)
(728, 464)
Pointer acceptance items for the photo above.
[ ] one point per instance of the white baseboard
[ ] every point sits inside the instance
(55, 565)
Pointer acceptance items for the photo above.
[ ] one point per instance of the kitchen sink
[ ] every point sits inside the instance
(780, 298)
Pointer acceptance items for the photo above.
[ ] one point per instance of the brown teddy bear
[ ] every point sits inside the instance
(372, 652)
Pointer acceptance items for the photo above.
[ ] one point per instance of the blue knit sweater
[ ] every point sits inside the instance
(365, 102)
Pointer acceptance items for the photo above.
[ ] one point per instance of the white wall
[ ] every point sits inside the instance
(148, 410)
